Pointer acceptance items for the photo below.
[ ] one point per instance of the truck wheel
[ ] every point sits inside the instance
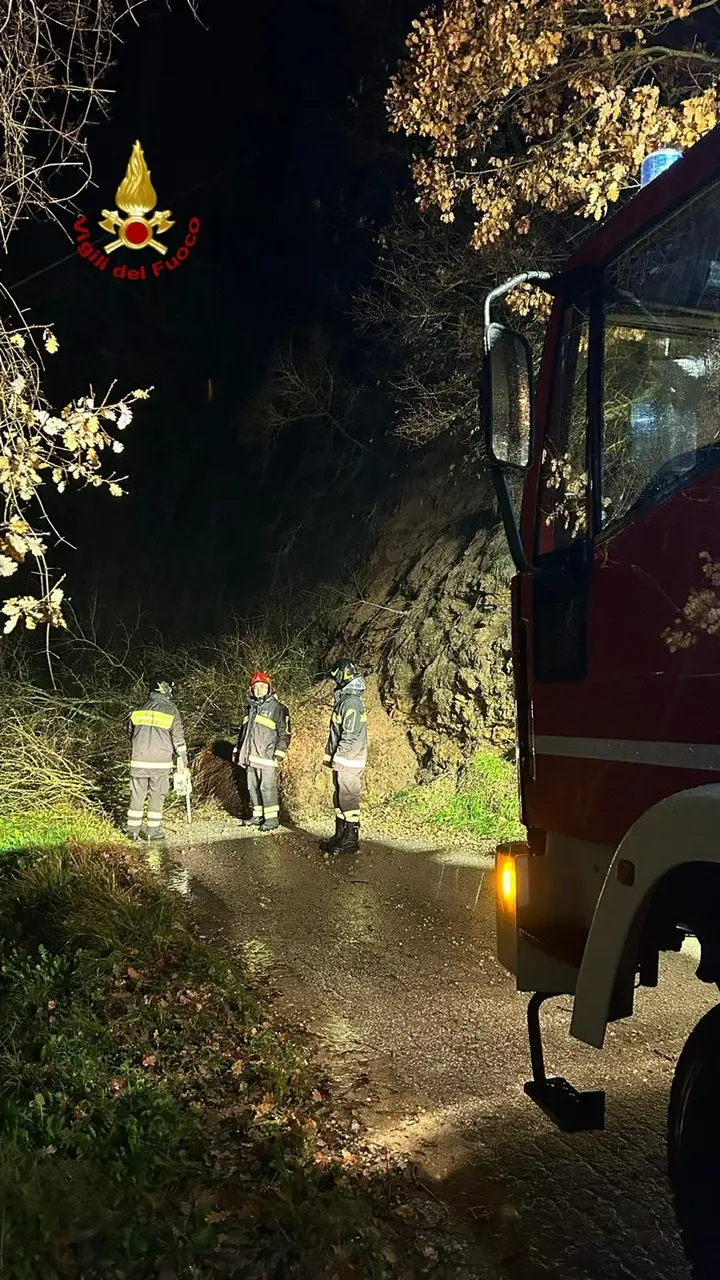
(693, 1146)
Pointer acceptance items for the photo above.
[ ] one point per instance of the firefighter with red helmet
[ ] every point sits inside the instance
(262, 747)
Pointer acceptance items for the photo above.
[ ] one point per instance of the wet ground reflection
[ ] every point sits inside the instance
(388, 960)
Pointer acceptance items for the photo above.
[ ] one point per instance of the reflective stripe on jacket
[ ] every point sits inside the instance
(265, 733)
(347, 743)
(157, 734)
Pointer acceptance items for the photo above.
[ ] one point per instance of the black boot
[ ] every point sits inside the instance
(328, 846)
(252, 822)
(350, 842)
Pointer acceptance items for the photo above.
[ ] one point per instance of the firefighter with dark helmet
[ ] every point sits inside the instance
(346, 755)
(156, 733)
(262, 747)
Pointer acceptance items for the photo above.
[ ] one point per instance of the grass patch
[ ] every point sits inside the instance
(52, 828)
(483, 802)
(153, 1121)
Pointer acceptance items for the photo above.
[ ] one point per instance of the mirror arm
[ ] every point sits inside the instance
(525, 277)
(512, 532)
(510, 524)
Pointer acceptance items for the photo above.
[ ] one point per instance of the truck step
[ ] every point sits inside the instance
(570, 1109)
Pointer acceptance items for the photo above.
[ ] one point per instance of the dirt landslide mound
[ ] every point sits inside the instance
(434, 621)
(305, 785)
(216, 778)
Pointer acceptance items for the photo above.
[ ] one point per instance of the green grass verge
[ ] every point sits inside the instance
(483, 803)
(52, 828)
(152, 1119)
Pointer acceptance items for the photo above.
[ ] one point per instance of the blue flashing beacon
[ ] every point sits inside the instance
(656, 163)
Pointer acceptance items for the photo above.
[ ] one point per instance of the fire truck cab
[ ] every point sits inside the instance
(616, 644)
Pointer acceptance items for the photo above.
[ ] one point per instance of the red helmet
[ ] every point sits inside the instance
(260, 677)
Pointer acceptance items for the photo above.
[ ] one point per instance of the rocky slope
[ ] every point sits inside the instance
(433, 620)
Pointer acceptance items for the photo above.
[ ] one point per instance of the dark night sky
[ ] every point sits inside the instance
(244, 124)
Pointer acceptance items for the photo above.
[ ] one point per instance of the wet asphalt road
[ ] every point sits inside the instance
(388, 959)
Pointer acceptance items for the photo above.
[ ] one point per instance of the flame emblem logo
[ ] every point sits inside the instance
(136, 197)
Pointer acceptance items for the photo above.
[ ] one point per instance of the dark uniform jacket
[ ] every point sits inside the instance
(265, 733)
(347, 742)
(157, 733)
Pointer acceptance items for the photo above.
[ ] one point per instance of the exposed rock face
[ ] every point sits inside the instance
(435, 621)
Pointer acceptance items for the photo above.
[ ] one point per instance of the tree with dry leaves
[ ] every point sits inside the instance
(55, 55)
(39, 446)
(520, 110)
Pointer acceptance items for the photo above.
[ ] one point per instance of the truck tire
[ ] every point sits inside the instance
(694, 1144)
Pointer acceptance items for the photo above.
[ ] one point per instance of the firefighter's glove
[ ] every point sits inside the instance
(279, 760)
(182, 781)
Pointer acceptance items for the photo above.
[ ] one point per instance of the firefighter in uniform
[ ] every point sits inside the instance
(346, 755)
(157, 734)
(262, 746)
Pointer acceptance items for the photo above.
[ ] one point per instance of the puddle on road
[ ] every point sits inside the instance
(258, 957)
(210, 912)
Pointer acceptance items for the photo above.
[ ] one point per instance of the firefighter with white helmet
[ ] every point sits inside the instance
(346, 755)
(157, 734)
(262, 747)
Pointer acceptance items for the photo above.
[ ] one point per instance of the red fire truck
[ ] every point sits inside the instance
(616, 643)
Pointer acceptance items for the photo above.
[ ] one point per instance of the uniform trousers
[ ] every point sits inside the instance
(262, 788)
(151, 786)
(346, 793)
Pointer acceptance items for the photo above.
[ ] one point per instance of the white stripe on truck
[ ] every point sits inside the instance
(702, 756)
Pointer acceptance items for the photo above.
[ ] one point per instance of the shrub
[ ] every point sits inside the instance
(68, 745)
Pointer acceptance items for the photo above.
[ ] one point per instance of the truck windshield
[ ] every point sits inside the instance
(661, 419)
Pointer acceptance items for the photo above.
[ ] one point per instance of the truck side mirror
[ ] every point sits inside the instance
(507, 398)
